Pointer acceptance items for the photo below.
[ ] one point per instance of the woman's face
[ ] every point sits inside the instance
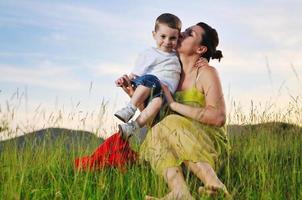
(190, 40)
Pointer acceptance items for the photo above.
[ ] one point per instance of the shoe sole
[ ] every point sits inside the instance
(120, 118)
(121, 131)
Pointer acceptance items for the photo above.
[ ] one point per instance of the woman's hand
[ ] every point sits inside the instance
(125, 83)
(201, 62)
(167, 94)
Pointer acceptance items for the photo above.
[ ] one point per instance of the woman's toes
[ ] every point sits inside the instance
(214, 191)
(205, 191)
(174, 195)
(151, 198)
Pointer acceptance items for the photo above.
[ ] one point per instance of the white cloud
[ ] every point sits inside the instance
(266, 29)
(37, 56)
(278, 60)
(110, 69)
(277, 22)
(74, 17)
(58, 15)
(56, 37)
(44, 75)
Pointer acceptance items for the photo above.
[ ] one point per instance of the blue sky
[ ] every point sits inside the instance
(62, 52)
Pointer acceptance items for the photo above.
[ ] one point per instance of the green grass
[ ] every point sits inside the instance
(265, 163)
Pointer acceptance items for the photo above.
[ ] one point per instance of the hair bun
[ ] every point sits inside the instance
(217, 55)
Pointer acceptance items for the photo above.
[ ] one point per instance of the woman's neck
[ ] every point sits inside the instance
(188, 72)
(188, 63)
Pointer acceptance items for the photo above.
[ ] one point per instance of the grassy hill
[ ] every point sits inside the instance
(49, 137)
(265, 163)
(74, 138)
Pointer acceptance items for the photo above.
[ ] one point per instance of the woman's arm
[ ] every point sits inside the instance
(214, 111)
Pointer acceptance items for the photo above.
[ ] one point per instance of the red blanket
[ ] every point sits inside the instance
(113, 152)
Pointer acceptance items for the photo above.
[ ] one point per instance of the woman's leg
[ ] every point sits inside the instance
(177, 185)
(207, 175)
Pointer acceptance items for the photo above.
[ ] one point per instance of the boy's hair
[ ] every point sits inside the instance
(168, 19)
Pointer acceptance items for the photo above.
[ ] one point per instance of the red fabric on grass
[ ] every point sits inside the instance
(113, 152)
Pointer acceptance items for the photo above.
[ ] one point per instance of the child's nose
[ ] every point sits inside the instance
(168, 41)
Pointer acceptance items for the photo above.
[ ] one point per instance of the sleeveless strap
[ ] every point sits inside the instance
(197, 76)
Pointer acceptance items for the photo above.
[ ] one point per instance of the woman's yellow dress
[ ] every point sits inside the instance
(177, 138)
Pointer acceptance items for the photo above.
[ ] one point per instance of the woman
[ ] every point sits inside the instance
(194, 134)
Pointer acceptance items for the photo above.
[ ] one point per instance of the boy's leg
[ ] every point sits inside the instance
(147, 115)
(146, 86)
(150, 112)
(139, 96)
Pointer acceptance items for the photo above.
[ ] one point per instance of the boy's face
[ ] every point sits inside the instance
(166, 38)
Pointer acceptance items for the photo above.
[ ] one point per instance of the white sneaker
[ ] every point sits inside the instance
(125, 114)
(128, 129)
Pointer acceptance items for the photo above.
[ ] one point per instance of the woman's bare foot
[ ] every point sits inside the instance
(174, 195)
(214, 190)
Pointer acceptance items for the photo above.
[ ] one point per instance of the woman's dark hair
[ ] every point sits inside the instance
(211, 41)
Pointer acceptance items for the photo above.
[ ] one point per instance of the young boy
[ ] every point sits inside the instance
(153, 67)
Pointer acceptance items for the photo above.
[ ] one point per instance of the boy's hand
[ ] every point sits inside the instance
(201, 62)
(120, 81)
(125, 83)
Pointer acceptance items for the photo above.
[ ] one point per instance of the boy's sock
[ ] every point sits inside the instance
(132, 107)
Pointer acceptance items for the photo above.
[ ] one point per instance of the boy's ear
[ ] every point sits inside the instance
(202, 49)
(153, 34)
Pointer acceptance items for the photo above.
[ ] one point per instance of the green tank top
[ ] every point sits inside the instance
(191, 97)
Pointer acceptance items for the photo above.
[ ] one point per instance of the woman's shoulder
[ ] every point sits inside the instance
(208, 75)
(206, 72)
(207, 69)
